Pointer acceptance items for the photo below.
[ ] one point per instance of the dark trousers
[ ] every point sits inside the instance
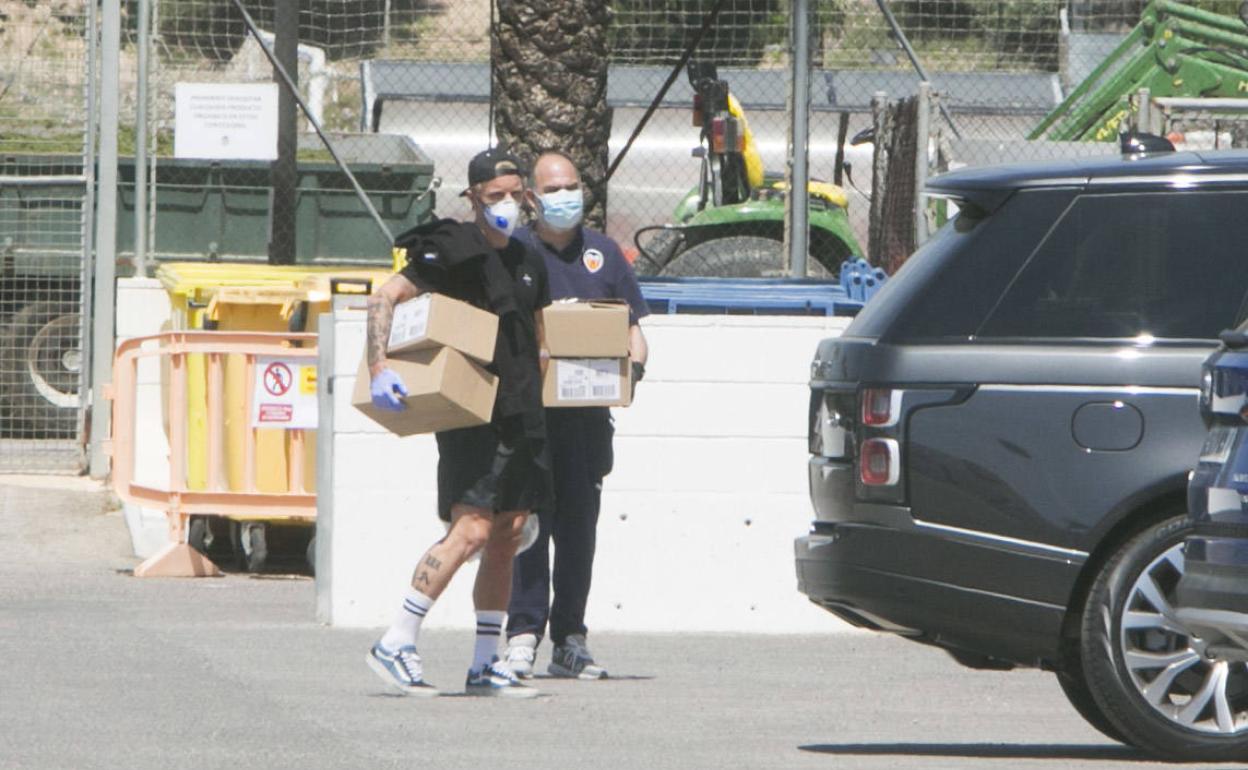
(580, 448)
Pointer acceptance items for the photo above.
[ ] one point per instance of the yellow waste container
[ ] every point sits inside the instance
(248, 297)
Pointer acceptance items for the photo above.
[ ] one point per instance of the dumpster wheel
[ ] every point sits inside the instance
(250, 543)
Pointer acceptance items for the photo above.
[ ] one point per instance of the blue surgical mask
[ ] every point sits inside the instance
(502, 216)
(561, 209)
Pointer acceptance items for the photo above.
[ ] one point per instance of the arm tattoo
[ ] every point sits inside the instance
(380, 316)
(432, 563)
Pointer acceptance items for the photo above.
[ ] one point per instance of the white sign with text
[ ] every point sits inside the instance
(225, 121)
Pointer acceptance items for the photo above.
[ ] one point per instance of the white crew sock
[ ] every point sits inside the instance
(489, 627)
(406, 626)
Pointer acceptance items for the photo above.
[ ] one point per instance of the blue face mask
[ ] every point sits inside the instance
(562, 209)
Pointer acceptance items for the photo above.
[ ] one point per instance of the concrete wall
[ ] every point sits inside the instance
(698, 518)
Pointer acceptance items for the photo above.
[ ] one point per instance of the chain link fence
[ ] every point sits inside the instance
(202, 210)
(420, 70)
(403, 90)
(45, 222)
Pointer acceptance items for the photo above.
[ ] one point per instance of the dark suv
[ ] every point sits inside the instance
(1001, 440)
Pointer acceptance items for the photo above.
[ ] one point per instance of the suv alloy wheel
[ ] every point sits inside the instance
(1154, 680)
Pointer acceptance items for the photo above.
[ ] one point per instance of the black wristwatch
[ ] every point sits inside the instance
(639, 371)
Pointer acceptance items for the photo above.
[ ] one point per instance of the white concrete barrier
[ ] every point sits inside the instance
(698, 518)
(143, 308)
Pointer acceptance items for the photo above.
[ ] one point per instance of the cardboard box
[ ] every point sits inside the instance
(594, 329)
(433, 320)
(588, 382)
(445, 390)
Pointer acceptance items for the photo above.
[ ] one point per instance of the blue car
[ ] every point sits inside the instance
(1211, 600)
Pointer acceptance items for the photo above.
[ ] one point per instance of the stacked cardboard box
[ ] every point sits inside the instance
(588, 344)
(437, 345)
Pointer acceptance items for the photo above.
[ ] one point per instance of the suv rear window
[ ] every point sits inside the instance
(1170, 265)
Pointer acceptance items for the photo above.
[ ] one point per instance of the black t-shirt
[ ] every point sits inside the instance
(519, 401)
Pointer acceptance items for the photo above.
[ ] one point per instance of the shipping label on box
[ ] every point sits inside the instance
(593, 329)
(435, 320)
(587, 382)
(445, 390)
(410, 323)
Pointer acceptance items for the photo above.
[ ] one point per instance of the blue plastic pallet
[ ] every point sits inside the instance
(765, 296)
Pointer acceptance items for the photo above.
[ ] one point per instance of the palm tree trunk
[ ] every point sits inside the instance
(549, 69)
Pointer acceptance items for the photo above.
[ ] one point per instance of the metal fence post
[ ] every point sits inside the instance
(105, 284)
(1143, 115)
(285, 171)
(140, 140)
(797, 202)
(922, 139)
(85, 303)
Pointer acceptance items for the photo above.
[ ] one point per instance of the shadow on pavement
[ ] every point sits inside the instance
(982, 750)
(609, 678)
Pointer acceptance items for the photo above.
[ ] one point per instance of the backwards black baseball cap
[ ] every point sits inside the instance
(491, 164)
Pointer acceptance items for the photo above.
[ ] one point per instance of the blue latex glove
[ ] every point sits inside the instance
(387, 390)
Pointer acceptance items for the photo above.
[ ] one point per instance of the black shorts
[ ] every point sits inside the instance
(476, 468)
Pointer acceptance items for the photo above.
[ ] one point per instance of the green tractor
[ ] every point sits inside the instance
(1176, 50)
(731, 224)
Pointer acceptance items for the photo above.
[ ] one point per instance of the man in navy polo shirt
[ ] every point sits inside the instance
(582, 264)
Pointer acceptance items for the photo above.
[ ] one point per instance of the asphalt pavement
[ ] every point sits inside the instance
(101, 669)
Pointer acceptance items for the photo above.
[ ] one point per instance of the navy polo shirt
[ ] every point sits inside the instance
(591, 267)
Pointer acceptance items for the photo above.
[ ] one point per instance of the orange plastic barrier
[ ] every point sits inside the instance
(179, 500)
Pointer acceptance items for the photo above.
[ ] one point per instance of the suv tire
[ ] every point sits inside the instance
(1075, 687)
(1155, 656)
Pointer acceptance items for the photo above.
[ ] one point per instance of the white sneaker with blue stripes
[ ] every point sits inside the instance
(401, 670)
(498, 681)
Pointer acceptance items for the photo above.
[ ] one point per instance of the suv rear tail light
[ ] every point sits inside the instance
(880, 462)
(881, 407)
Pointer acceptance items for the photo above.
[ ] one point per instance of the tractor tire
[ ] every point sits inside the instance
(658, 252)
(41, 372)
(740, 256)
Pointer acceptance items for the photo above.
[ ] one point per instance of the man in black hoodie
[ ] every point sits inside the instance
(491, 476)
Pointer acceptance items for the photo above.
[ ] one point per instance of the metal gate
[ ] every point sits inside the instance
(47, 53)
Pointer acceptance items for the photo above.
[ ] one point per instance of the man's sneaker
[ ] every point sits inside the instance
(521, 653)
(400, 670)
(572, 660)
(497, 680)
